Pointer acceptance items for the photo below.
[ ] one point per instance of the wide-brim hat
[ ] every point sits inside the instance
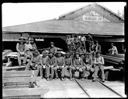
(45, 52)
(61, 52)
(22, 39)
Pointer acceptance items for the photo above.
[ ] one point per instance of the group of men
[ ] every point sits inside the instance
(53, 63)
(82, 44)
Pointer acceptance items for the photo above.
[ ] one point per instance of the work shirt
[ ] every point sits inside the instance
(60, 61)
(68, 61)
(44, 60)
(69, 40)
(87, 60)
(81, 51)
(114, 50)
(36, 59)
(51, 61)
(99, 60)
(83, 38)
(28, 46)
(53, 49)
(34, 46)
(78, 62)
(29, 55)
(20, 47)
(98, 48)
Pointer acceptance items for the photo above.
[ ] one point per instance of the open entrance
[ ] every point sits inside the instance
(59, 42)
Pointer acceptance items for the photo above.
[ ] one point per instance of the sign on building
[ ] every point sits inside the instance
(93, 16)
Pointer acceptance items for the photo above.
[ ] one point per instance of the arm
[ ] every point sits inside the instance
(17, 45)
(74, 63)
(63, 61)
(102, 61)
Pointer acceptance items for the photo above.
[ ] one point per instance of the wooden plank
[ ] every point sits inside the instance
(22, 92)
(7, 74)
(17, 79)
(17, 86)
(14, 67)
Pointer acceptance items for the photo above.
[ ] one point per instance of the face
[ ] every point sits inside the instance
(50, 55)
(98, 55)
(52, 45)
(112, 45)
(59, 54)
(77, 55)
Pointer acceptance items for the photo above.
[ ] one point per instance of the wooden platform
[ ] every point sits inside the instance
(16, 79)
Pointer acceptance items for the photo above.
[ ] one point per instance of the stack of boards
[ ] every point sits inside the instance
(16, 84)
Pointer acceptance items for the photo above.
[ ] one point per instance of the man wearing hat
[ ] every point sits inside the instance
(53, 49)
(78, 64)
(98, 65)
(28, 44)
(88, 64)
(43, 62)
(51, 66)
(28, 56)
(20, 47)
(60, 64)
(35, 62)
(69, 65)
(34, 47)
(97, 47)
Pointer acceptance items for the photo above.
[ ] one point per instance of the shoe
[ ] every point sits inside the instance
(103, 81)
(48, 79)
(82, 79)
(62, 79)
(93, 80)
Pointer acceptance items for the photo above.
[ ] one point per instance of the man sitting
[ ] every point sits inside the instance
(43, 60)
(78, 64)
(61, 65)
(35, 62)
(69, 65)
(98, 65)
(20, 47)
(88, 64)
(51, 66)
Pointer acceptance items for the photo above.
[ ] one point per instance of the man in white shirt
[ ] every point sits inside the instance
(113, 50)
(98, 65)
(28, 45)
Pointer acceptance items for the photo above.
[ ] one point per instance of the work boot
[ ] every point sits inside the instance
(48, 79)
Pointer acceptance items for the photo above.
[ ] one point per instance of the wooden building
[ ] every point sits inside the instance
(105, 26)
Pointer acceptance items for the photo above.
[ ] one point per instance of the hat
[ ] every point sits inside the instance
(61, 52)
(21, 39)
(44, 52)
(31, 39)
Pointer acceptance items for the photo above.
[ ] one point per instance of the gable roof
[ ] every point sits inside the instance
(68, 26)
(113, 17)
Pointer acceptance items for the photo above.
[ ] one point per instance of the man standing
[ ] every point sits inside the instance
(53, 49)
(97, 47)
(113, 50)
(51, 66)
(98, 65)
(20, 47)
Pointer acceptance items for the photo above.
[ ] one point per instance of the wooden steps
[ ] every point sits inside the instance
(8, 74)
(16, 79)
(22, 93)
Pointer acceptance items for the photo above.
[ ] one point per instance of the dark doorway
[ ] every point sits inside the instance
(59, 42)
